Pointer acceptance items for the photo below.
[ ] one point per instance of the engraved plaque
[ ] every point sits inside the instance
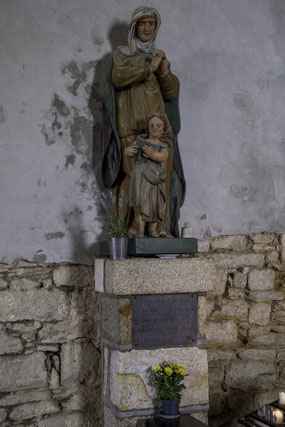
(164, 320)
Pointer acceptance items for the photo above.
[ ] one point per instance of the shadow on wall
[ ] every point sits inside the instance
(82, 249)
(117, 36)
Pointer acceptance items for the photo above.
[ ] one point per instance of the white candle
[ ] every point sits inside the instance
(282, 398)
(278, 416)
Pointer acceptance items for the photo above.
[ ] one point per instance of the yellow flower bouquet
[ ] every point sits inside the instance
(169, 378)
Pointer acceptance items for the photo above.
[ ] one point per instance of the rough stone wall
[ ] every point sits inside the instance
(245, 323)
(49, 356)
(49, 352)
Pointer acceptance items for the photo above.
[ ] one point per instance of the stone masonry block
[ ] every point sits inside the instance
(259, 314)
(242, 373)
(23, 372)
(216, 376)
(257, 354)
(156, 276)
(261, 399)
(221, 281)
(3, 284)
(280, 306)
(131, 379)
(84, 303)
(235, 293)
(256, 331)
(203, 245)
(202, 314)
(240, 279)
(259, 247)
(271, 340)
(3, 414)
(220, 356)
(9, 344)
(221, 332)
(236, 309)
(117, 320)
(282, 247)
(79, 363)
(25, 327)
(73, 275)
(237, 260)
(272, 257)
(210, 307)
(25, 396)
(264, 238)
(67, 330)
(74, 419)
(35, 409)
(260, 296)
(280, 355)
(235, 243)
(278, 328)
(35, 304)
(24, 283)
(261, 280)
(35, 272)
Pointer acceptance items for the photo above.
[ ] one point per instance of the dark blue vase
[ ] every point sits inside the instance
(170, 407)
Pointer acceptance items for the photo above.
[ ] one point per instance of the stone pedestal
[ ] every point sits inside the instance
(129, 394)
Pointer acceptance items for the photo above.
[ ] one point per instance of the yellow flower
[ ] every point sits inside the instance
(168, 371)
(157, 368)
(181, 371)
(180, 365)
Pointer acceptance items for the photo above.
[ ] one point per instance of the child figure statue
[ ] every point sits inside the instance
(147, 195)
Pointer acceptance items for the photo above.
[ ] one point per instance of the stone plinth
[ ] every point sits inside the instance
(154, 276)
(128, 388)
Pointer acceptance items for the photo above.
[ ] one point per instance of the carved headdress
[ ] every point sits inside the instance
(134, 43)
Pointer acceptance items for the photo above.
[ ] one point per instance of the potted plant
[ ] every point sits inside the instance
(115, 219)
(169, 380)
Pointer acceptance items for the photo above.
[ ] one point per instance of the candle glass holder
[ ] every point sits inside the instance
(277, 416)
(281, 398)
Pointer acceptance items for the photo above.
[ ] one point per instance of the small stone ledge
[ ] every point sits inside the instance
(114, 346)
(138, 276)
(191, 409)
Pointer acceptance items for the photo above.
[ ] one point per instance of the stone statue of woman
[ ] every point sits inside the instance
(138, 82)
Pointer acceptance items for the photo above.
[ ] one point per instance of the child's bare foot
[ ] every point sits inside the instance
(153, 233)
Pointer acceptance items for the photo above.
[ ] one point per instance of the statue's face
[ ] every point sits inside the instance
(146, 29)
(155, 127)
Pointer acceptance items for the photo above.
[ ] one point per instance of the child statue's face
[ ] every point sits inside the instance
(155, 127)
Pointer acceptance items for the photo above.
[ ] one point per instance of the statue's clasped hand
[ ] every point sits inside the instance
(147, 151)
(130, 151)
(161, 54)
(159, 63)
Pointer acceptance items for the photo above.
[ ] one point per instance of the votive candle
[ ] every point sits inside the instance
(282, 398)
(278, 416)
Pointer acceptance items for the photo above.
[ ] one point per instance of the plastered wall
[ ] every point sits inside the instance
(229, 56)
